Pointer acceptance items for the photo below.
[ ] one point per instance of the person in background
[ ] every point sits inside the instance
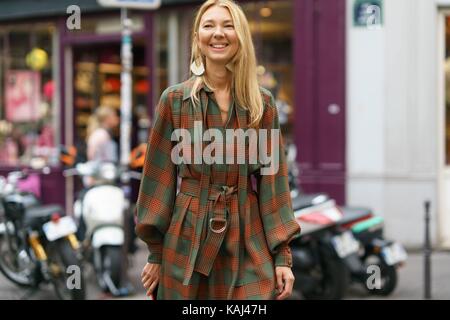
(101, 147)
(100, 143)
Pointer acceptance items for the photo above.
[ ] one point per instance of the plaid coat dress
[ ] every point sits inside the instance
(232, 256)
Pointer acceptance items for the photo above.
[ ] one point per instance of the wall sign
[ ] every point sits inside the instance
(368, 13)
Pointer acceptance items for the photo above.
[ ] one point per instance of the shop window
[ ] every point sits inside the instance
(271, 25)
(28, 130)
(97, 83)
(161, 68)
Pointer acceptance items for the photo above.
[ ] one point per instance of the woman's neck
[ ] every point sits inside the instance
(218, 76)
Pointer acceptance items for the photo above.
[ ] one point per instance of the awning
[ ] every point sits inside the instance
(11, 10)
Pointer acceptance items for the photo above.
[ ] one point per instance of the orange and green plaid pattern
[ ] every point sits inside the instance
(239, 264)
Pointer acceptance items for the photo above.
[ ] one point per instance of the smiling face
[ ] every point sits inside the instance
(217, 37)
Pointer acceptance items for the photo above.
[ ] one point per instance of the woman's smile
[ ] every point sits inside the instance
(219, 47)
(217, 38)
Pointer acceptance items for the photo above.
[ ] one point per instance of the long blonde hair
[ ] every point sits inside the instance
(243, 65)
(97, 118)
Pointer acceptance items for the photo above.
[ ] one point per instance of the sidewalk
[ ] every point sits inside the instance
(410, 283)
(411, 279)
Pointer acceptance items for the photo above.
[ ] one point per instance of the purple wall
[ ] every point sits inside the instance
(319, 51)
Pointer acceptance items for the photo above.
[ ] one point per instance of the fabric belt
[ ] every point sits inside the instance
(217, 221)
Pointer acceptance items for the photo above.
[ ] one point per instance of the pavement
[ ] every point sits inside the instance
(410, 283)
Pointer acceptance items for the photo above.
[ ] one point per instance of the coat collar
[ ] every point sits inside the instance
(187, 88)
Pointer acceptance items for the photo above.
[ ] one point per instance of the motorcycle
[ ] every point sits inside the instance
(37, 242)
(362, 245)
(319, 254)
(100, 211)
(376, 251)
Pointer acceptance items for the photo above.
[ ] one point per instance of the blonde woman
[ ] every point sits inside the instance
(100, 143)
(217, 238)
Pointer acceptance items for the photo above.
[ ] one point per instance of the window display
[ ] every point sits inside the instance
(97, 83)
(272, 28)
(27, 96)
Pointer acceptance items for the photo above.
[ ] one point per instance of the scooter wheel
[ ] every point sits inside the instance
(388, 274)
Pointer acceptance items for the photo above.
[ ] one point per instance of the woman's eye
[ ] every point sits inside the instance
(229, 26)
(207, 26)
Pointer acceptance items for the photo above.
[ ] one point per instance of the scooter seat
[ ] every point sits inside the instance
(353, 214)
(308, 200)
(36, 216)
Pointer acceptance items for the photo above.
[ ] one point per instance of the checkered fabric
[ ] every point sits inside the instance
(197, 263)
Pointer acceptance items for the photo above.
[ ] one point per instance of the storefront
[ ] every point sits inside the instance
(29, 100)
(300, 48)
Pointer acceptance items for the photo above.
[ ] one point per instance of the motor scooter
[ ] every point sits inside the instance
(365, 228)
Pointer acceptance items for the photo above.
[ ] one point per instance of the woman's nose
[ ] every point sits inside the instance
(218, 32)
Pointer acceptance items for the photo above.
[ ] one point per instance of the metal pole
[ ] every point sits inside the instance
(125, 126)
(427, 252)
(125, 89)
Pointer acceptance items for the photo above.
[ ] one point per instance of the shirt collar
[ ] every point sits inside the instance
(188, 88)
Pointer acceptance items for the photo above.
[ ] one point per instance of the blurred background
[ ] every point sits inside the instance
(362, 88)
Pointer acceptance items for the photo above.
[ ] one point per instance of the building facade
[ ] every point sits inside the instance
(398, 127)
(300, 48)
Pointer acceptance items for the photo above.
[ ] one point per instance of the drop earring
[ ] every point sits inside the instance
(198, 70)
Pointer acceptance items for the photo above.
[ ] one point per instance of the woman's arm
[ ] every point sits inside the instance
(275, 203)
(157, 191)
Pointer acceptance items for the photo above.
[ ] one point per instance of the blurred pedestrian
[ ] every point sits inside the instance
(101, 145)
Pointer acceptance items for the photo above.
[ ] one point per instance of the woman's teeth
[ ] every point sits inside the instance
(218, 46)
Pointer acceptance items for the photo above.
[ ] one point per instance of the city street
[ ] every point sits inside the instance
(410, 281)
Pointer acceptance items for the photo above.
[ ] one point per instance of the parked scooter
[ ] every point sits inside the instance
(375, 251)
(320, 253)
(100, 210)
(366, 228)
(37, 242)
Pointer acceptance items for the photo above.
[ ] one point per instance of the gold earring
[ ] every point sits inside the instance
(198, 70)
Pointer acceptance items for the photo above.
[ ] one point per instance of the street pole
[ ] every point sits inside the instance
(427, 253)
(125, 126)
(125, 89)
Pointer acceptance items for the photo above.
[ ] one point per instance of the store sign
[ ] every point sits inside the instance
(134, 4)
(368, 13)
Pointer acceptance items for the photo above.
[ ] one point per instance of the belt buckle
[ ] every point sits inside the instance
(211, 220)
(227, 190)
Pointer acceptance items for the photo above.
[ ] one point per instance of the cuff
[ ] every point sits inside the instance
(283, 258)
(155, 255)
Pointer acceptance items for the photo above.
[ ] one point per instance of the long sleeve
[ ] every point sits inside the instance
(158, 185)
(275, 203)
